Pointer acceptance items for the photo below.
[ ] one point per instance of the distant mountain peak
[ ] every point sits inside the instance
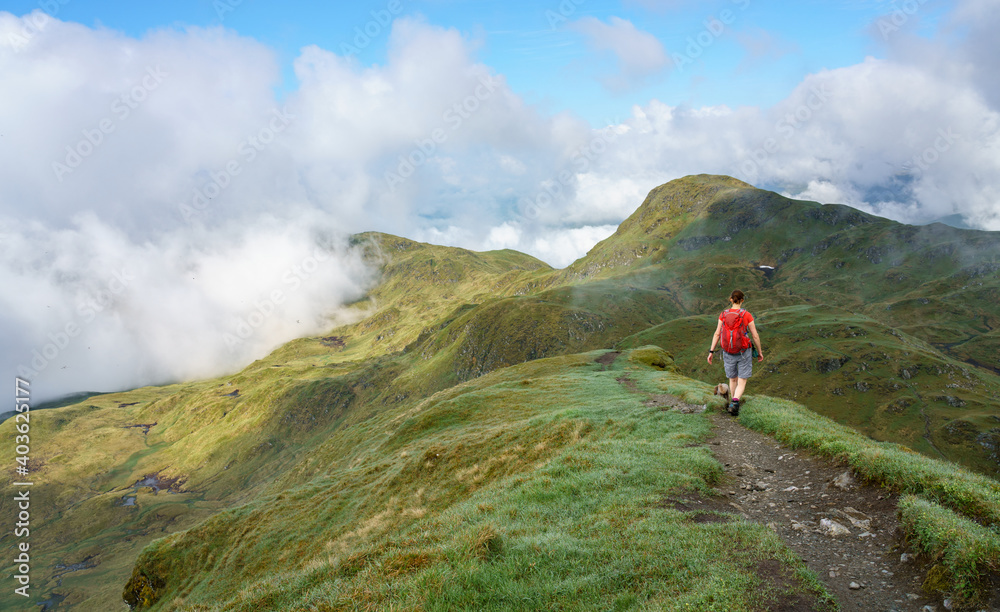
(678, 202)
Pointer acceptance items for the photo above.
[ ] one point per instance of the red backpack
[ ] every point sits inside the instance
(735, 338)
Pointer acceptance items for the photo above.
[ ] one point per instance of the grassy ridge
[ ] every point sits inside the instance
(539, 486)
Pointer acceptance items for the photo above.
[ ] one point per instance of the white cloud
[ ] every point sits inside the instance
(639, 54)
(915, 136)
(556, 246)
(564, 246)
(98, 310)
(888, 137)
(207, 173)
(826, 192)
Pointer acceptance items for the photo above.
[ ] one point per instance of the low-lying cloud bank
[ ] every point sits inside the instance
(157, 194)
(103, 311)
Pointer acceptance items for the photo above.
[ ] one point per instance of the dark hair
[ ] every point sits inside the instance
(736, 296)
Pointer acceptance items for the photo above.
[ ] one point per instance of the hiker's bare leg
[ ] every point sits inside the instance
(740, 386)
(732, 388)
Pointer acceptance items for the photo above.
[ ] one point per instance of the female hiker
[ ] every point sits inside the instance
(734, 330)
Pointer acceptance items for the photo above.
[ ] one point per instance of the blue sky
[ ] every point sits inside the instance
(168, 166)
(535, 47)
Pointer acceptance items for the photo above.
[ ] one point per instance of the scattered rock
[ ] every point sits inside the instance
(833, 528)
(854, 586)
(912, 596)
(856, 518)
(844, 482)
(905, 558)
(839, 550)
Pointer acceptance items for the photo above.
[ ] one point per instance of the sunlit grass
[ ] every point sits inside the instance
(536, 487)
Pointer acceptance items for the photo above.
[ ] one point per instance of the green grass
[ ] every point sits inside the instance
(966, 551)
(537, 487)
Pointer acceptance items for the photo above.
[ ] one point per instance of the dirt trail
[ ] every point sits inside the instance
(795, 495)
(846, 532)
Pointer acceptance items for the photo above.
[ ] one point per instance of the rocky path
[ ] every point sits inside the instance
(845, 532)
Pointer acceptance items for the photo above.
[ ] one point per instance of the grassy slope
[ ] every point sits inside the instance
(226, 449)
(489, 495)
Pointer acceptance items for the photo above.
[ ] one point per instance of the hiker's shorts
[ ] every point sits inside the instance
(738, 365)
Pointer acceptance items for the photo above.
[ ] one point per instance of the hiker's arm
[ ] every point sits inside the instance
(715, 340)
(756, 340)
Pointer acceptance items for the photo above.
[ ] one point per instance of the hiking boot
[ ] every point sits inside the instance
(734, 407)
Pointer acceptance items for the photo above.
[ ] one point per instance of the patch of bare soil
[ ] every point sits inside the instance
(846, 532)
(607, 359)
(785, 595)
(664, 401)
(628, 382)
(333, 341)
